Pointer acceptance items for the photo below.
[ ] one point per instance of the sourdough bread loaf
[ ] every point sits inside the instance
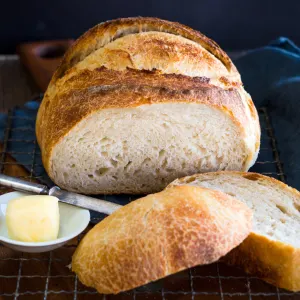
(159, 235)
(272, 250)
(139, 102)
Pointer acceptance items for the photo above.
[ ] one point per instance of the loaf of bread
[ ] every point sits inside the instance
(139, 102)
(159, 235)
(272, 250)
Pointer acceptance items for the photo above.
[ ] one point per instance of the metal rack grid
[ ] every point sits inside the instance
(46, 276)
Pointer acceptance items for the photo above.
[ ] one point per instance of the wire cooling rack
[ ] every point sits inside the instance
(46, 275)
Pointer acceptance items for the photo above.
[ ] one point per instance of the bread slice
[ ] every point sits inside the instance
(159, 235)
(139, 102)
(272, 250)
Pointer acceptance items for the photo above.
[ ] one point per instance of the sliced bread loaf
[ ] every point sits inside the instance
(272, 250)
(139, 102)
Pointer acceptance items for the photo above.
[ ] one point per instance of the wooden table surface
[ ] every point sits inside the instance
(16, 84)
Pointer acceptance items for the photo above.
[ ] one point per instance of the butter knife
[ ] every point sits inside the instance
(75, 199)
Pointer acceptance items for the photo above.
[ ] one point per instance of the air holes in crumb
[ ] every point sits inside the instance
(161, 153)
(297, 206)
(127, 166)
(282, 221)
(165, 125)
(80, 140)
(189, 179)
(282, 208)
(105, 154)
(101, 171)
(73, 166)
(91, 176)
(105, 140)
(125, 147)
(146, 161)
(114, 162)
(136, 172)
(114, 177)
(252, 177)
(231, 194)
(87, 133)
(164, 164)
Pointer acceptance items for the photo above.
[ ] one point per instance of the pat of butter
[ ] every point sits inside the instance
(33, 218)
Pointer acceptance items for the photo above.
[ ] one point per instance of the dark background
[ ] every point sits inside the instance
(234, 24)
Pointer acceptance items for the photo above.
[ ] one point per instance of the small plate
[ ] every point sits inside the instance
(73, 220)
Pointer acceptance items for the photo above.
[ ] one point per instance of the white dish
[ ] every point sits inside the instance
(73, 220)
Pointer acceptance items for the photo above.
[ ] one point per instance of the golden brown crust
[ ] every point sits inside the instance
(91, 91)
(273, 261)
(159, 235)
(103, 33)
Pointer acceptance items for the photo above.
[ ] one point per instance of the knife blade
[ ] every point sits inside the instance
(71, 198)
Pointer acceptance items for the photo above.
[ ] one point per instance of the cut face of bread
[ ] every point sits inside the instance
(159, 235)
(139, 102)
(274, 244)
(110, 149)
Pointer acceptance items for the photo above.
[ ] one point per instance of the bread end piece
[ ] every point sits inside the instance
(275, 262)
(159, 235)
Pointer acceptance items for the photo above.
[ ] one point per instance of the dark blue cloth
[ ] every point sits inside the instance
(270, 74)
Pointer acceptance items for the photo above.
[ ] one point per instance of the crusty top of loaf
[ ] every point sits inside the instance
(90, 91)
(159, 235)
(169, 53)
(106, 32)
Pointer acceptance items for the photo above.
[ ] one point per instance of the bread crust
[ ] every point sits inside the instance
(273, 261)
(91, 91)
(159, 235)
(105, 32)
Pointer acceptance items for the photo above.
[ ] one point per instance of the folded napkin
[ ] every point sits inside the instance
(271, 75)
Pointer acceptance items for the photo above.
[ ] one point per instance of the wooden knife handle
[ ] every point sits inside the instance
(42, 58)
